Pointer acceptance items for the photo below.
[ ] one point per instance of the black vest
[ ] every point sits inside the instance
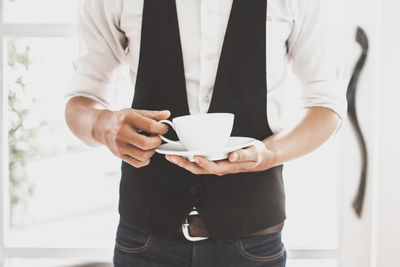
(159, 196)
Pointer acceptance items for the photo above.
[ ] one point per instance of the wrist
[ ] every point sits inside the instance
(98, 129)
(272, 155)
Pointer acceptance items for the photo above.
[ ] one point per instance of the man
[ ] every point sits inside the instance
(188, 57)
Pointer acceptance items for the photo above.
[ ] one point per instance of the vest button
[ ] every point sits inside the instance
(194, 191)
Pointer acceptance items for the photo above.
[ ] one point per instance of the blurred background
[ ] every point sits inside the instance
(52, 215)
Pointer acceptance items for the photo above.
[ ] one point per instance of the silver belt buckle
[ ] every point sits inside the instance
(185, 229)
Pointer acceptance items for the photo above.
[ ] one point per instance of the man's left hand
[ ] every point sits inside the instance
(252, 159)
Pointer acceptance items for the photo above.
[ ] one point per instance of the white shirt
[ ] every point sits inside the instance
(109, 34)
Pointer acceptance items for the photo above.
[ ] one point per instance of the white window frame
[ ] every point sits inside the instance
(21, 30)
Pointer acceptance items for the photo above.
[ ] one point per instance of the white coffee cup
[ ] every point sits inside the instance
(210, 131)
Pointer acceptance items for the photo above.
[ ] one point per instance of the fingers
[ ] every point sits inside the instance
(146, 124)
(146, 120)
(121, 134)
(145, 142)
(129, 136)
(134, 162)
(208, 165)
(135, 156)
(154, 114)
(136, 153)
(244, 155)
(181, 162)
(223, 167)
(155, 127)
(204, 166)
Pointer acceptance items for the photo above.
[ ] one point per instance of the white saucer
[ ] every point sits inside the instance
(234, 143)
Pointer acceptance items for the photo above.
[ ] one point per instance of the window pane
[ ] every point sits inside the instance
(63, 193)
(311, 188)
(40, 11)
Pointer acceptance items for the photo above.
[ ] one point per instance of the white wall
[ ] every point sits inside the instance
(375, 239)
(388, 209)
(357, 233)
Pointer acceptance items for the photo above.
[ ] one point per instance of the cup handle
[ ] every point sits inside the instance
(166, 139)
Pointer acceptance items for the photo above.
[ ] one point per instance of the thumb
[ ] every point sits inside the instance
(243, 155)
(155, 114)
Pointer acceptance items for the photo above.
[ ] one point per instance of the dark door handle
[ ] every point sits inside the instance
(362, 39)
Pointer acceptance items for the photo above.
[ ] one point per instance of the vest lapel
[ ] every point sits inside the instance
(160, 82)
(240, 85)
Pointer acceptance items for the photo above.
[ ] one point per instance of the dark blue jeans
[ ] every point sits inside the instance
(137, 248)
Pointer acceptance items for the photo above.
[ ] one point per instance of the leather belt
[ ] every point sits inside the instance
(194, 229)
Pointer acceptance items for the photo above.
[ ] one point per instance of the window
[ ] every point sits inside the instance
(60, 197)
(39, 11)
(49, 207)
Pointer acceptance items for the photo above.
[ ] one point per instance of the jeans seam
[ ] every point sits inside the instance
(249, 256)
(138, 249)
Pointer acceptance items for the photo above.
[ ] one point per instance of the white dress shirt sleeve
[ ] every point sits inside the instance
(102, 51)
(316, 53)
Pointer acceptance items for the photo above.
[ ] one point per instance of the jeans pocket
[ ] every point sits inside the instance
(131, 239)
(265, 248)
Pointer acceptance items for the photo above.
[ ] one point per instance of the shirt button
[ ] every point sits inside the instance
(194, 191)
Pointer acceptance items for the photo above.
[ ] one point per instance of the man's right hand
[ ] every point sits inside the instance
(120, 132)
